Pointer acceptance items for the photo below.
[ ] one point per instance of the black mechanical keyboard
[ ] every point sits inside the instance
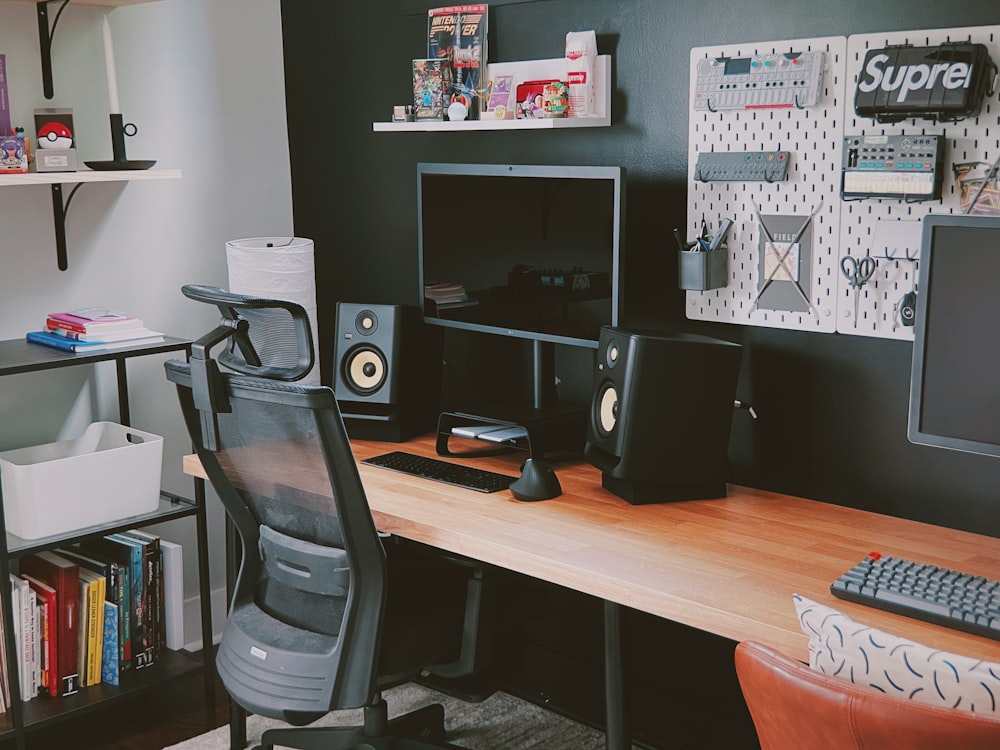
(925, 592)
(480, 480)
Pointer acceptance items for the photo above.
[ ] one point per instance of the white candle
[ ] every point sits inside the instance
(109, 62)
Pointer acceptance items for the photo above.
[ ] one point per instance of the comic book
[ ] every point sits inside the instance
(458, 33)
(431, 80)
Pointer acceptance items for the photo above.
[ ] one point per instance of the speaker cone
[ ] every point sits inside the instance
(364, 370)
(607, 409)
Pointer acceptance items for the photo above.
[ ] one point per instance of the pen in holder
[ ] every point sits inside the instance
(119, 161)
(702, 264)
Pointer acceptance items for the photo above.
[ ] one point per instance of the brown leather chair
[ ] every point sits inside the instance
(798, 708)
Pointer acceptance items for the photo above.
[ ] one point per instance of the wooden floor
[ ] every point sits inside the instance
(161, 717)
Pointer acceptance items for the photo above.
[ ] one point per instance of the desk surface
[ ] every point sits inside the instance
(726, 566)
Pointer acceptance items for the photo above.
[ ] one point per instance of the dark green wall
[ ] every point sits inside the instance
(832, 408)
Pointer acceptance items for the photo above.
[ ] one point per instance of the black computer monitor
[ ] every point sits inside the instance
(533, 249)
(955, 376)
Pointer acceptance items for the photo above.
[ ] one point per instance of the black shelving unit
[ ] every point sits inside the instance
(20, 356)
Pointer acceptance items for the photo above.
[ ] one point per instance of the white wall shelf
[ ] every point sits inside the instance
(104, 3)
(56, 180)
(87, 175)
(525, 71)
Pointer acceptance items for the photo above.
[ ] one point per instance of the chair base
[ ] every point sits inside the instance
(422, 729)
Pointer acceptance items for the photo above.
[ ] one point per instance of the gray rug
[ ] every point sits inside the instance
(500, 721)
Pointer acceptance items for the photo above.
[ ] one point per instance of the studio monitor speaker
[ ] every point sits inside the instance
(661, 414)
(386, 371)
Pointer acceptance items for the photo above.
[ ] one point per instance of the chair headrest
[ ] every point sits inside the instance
(268, 338)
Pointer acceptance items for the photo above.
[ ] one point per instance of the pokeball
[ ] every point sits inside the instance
(54, 135)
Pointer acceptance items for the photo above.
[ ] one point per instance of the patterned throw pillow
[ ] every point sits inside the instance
(896, 666)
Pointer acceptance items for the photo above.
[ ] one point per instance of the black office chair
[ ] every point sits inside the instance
(312, 627)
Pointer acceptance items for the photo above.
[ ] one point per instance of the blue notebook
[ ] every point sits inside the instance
(72, 345)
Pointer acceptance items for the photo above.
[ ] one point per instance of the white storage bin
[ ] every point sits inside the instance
(109, 473)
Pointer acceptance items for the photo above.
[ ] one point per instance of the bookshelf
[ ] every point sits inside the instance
(20, 356)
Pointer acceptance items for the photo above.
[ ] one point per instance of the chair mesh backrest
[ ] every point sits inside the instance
(272, 333)
(284, 462)
(307, 514)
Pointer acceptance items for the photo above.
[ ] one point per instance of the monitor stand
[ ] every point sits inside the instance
(546, 426)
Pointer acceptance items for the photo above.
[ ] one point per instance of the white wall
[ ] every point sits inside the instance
(203, 81)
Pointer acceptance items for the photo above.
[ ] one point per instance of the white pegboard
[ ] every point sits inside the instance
(888, 230)
(892, 227)
(812, 136)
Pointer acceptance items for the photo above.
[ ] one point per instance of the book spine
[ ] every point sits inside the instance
(110, 664)
(27, 644)
(83, 608)
(36, 644)
(15, 605)
(124, 633)
(94, 634)
(5, 122)
(173, 594)
(46, 648)
(72, 335)
(137, 610)
(51, 322)
(158, 611)
(149, 564)
(97, 637)
(50, 339)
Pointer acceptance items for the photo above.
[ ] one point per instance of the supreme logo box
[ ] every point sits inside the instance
(947, 82)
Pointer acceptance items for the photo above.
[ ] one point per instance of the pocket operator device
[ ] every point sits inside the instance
(782, 80)
(905, 167)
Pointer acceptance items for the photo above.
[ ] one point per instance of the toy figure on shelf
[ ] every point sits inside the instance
(13, 155)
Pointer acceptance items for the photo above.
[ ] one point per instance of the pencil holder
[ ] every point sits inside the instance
(702, 270)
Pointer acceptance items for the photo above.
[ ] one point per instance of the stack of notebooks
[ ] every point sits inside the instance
(93, 329)
(446, 294)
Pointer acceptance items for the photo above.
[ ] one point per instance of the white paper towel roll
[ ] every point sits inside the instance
(277, 268)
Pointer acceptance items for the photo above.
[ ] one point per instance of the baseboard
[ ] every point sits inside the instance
(192, 619)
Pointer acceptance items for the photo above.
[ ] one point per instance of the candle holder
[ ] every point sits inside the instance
(119, 161)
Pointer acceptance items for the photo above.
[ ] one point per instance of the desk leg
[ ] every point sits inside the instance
(614, 681)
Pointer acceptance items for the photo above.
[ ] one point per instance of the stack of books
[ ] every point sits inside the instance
(93, 613)
(445, 293)
(93, 329)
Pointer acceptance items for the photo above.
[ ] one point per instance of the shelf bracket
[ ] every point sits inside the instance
(59, 209)
(45, 35)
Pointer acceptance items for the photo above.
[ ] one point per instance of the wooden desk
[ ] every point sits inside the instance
(726, 566)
